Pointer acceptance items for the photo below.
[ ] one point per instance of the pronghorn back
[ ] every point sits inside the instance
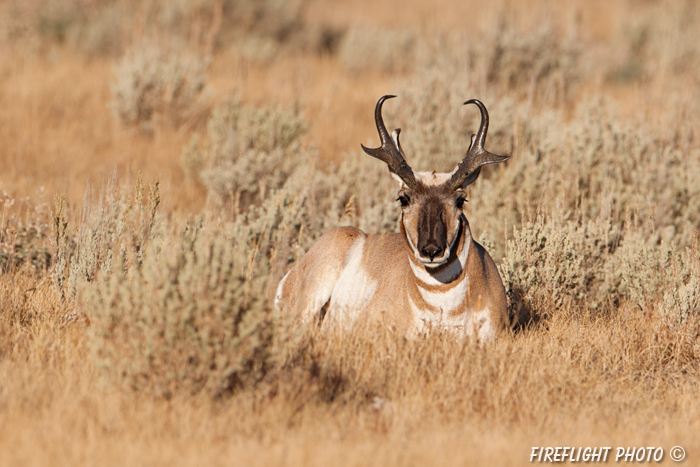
(430, 275)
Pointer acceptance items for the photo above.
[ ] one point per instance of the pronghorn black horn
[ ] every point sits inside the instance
(476, 156)
(389, 151)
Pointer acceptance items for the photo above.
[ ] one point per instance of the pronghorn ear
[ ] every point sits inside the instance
(471, 178)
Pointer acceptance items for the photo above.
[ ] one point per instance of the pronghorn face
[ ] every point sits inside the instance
(431, 218)
(431, 203)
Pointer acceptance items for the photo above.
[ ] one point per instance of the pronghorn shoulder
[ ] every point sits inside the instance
(480, 261)
(486, 286)
(385, 255)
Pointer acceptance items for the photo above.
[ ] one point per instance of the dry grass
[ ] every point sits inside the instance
(143, 332)
(575, 383)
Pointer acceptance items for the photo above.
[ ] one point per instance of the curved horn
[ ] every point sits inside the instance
(476, 155)
(388, 151)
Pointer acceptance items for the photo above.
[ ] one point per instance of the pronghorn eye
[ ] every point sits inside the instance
(460, 202)
(403, 200)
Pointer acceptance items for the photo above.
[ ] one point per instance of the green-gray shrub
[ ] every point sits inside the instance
(189, 310)
(247, 152)
(559, 263)
(188, 321)
(597, 266)
(25, 240)
(154, 85)
(681, 300)
(540, 65)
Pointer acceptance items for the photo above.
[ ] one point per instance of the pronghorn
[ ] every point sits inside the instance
(430, 275)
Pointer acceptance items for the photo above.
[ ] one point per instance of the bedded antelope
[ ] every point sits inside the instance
(431, 274)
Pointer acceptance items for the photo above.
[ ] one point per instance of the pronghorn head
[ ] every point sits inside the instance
(432, 219)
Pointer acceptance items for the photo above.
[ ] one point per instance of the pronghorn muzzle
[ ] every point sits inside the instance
(432, 230)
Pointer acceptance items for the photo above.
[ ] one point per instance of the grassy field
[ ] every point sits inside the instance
(163, 164)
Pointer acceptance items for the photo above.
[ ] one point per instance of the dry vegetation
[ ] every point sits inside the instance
(163, 164)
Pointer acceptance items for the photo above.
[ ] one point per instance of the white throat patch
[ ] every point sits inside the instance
(441, 294)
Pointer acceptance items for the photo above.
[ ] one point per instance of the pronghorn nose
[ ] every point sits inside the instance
(431, 251)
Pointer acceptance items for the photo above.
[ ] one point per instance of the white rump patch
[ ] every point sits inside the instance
(353, 291)
(278, 293)
(312, 304)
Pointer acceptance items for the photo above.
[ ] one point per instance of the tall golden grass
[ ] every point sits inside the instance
(137, 262)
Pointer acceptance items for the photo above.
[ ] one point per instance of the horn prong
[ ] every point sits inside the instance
(390, 151)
